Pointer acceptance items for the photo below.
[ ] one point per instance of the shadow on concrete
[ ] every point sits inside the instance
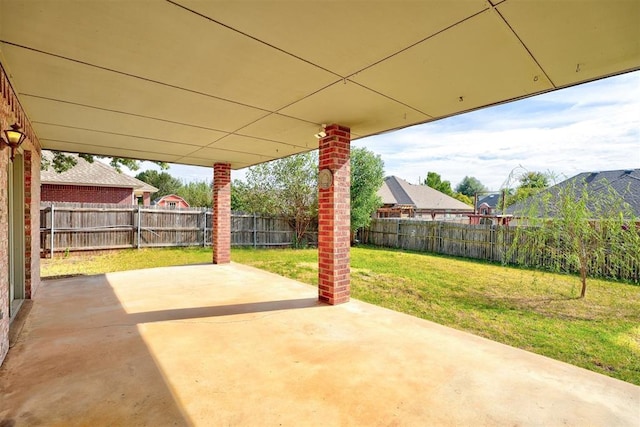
(223, 310)
(80, 360)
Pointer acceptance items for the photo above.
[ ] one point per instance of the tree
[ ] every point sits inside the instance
(286, 187)
(463, 198)
(62, 162)
(434, 181)
(580, 228)
(534, 180)
(469, 186)
(367, 175)
(165, 183)
(238, 194)
(530, 184)
(197, 193)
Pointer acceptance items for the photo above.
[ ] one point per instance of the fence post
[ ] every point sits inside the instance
(255, 231)
(139, 226)
(492, 241)
(204, 228)
(52, 227)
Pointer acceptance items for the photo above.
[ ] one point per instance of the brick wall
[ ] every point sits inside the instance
(86, 194)
(11, 112)
(334, 217)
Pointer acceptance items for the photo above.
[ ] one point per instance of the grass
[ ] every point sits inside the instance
(62, 265)
(535, 311)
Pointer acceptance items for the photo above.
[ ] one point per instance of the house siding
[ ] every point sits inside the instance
(86, 194)
(166, 201)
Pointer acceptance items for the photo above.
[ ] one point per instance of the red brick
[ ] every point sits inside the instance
(86, 194)
(221, 233)
(334, 217)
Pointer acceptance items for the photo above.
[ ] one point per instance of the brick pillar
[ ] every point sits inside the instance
(334, 217)
(221, 233)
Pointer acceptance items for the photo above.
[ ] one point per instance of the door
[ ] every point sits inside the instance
(16, 234)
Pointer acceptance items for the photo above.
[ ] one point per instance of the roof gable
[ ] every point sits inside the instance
(491, 200)
(170, 198)
(395, 187)
(397, 191)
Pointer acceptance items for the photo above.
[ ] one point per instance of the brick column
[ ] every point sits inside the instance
(221, 233)
(334, 217)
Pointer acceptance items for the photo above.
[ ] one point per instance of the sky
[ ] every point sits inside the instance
(585, 128)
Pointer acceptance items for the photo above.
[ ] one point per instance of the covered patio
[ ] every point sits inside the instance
(231, 84)
(233, 345)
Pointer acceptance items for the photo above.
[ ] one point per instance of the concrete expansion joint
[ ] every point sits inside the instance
(90, 328)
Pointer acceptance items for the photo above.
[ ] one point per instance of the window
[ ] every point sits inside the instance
(172, 205)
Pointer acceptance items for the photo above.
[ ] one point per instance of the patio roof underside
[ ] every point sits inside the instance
(198, 82)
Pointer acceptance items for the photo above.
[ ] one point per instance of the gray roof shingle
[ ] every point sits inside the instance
(491, 200)
(625, 182)
(397, 191)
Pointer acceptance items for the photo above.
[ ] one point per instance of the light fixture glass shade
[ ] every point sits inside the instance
(14, 136)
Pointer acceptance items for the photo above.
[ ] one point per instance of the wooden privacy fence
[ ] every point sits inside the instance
(67, 227)
(463, 240)
(484, 242)
(81, 227)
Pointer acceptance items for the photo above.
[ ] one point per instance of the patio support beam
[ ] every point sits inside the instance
(334, 216)
(221, 221)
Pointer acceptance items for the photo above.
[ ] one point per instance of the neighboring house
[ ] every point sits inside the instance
(487, 205)
(93, 183)
(624, 182)
(171, 201)
(487, 212)
(403, 200)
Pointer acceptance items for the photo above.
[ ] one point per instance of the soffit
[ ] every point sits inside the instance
(200, 82)
(344, 37)
(578, 41)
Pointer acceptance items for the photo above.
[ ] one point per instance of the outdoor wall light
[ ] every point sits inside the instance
(14, 137)
(322, 133)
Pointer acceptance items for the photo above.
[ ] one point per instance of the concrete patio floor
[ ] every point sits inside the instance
(233, 345)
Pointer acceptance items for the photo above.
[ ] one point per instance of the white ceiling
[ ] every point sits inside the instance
(199, 82)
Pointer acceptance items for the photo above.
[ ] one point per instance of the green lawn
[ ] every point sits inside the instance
(532, 310)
